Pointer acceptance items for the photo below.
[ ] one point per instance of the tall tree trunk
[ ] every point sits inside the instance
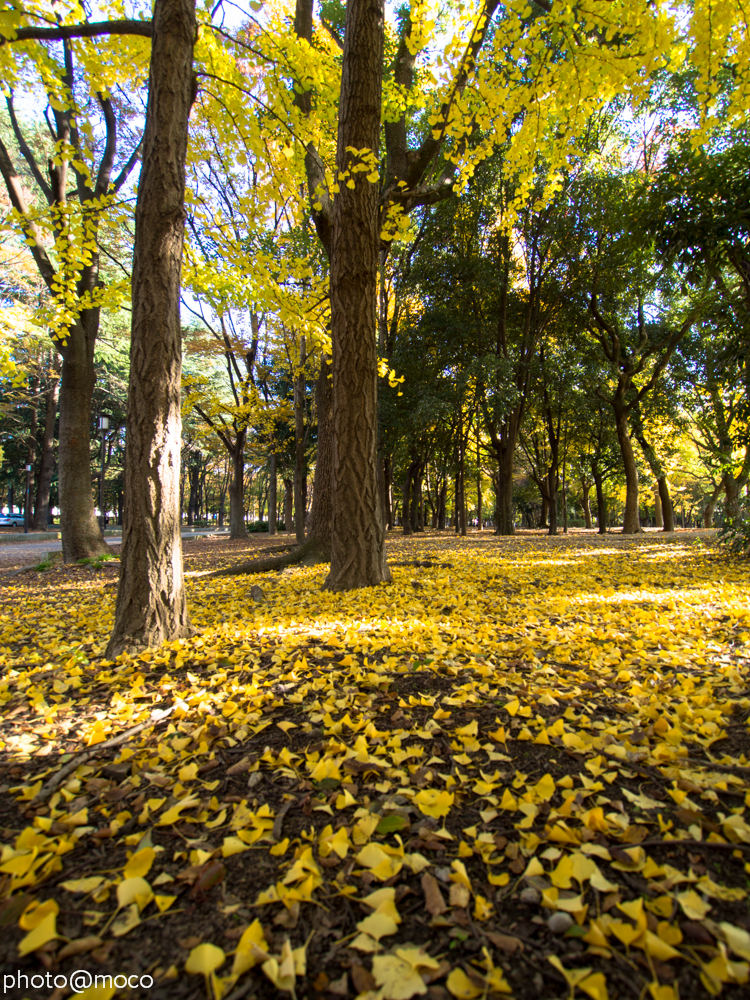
(237, 527)
(151, 606)
(601, 503)
(504, 489)
(708, 510)
(631, 523)
(406, 503)
(288, 505)
(47, 460)
(387, 492)
(666, 504)
(300, 472)
(79, 526)
(272, 485)
(658, 513)
(585, 490)
(544, 513)
(442, 498)
(552, 490)
(318, 543)
(358, 542)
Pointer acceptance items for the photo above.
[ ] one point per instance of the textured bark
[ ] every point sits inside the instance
(358, 537)
(300, 472)
(288, 505)
(504, 489)
(151, 606)
(658, 513)
(81, 535)
(237, 527)
(601, 503)
(47, 459)
(272, 484)
(631, 523)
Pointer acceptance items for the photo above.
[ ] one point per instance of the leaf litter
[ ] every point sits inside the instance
(520, 770)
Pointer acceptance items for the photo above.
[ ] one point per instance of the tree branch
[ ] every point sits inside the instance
(92, 30)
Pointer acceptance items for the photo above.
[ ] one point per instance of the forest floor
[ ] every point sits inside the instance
(521, 769)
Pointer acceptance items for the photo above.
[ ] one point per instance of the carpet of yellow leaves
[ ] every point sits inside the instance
(520, 769)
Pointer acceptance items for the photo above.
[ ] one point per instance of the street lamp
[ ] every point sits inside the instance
(103, 427)
(27, 503)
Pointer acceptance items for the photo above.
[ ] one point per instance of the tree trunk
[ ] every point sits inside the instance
(151, 606)
(81, 535)
(504, 489)
(237, 527)
(631, 524)
(288, 505)
(442, 497)
(300, 473)
(318, 543)
(585, 490)
(601, 503)
(552, 491)
(47, 461)
(272, 483)
(405, 503)
(544, 515)
(666, 504)
(658, 513)
(358, 537)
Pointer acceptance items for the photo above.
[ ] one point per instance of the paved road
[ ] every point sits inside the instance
(27, 552)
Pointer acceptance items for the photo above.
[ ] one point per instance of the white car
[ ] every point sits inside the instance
(12, 520)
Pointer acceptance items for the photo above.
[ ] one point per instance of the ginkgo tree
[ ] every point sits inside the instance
(70, 209)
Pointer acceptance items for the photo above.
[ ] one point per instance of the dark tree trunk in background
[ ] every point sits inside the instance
(272, 485)
(47, 460)
(631, 523)
(79, 526)
(504, 490)
(358, 537)
(601, 503)
(151, 606)
(585, 490)
(288, 505)
(300, 472)
(237, 527)
(406, 503)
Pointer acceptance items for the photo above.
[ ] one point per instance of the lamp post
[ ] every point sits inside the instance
(27, 500)
(103, 427)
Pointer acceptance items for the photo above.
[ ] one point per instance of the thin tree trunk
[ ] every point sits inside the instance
(406, 503)
(272, 484)
(631, 523)
(585, 490)
(658, 514)
(299, 447)
(358, 542)
(47, 461)
(601, 503)
(237, 527)
(151, 606)
(288, 505)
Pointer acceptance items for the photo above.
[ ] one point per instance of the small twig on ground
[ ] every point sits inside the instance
(59, 776)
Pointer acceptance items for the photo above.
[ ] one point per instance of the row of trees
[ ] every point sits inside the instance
(506, 255)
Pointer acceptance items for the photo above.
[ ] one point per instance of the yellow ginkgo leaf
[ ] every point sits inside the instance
(134, 890)
(35, 913)
(461, 986)
(140, 864)
(434, 803)
(204, 959)
(252, 949)
(43, 932)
